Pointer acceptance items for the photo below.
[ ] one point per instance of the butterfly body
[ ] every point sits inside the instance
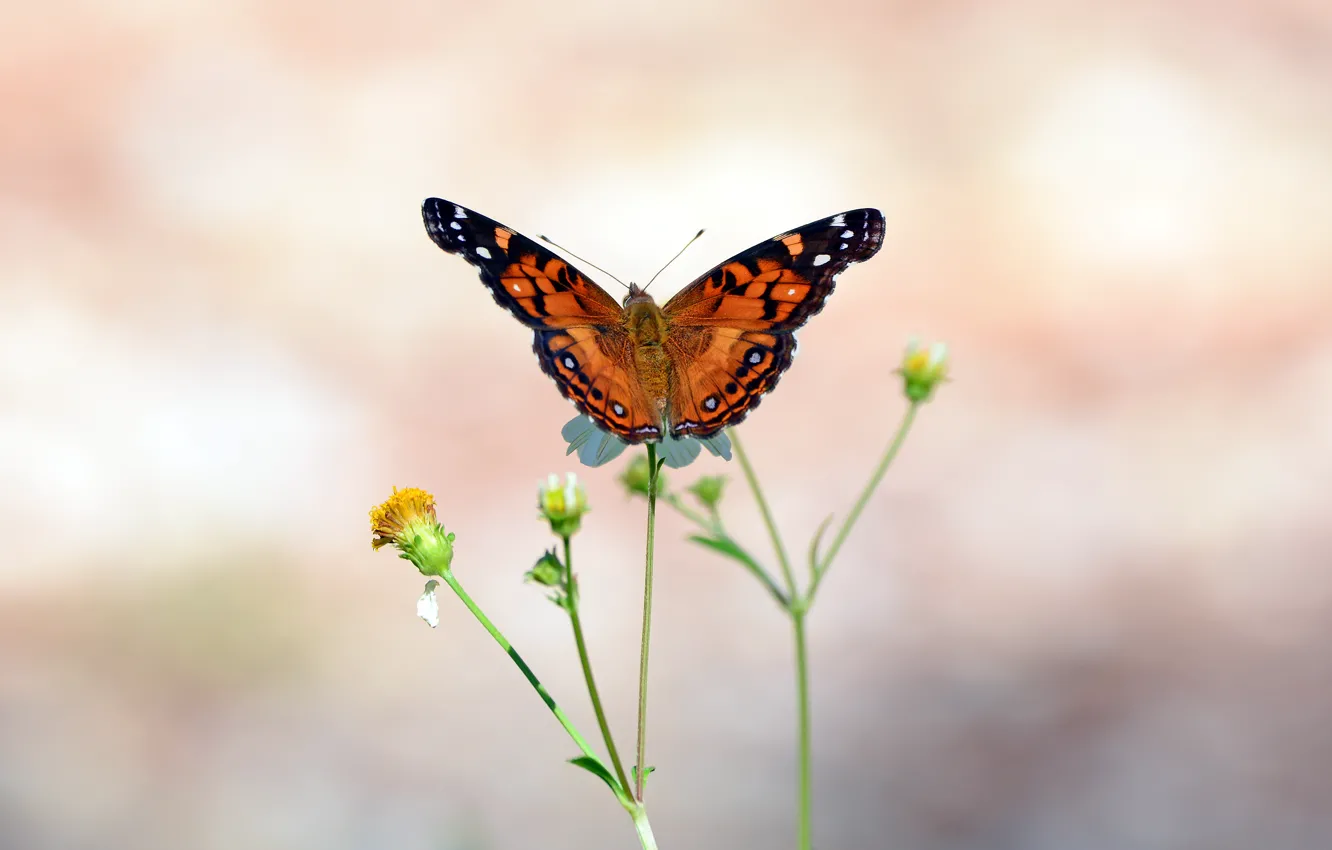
(692, 367)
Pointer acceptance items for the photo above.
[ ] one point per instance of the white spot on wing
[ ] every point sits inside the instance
(791, 291)
(455, 225)
(839, 220)
(459, 212)
(841, 247)
(847, 234)
(821, 259)
(485, 252)
(517, 287)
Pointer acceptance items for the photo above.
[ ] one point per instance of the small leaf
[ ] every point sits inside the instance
(728, 547)
(814, 546)
(634, 771)
(594, 766)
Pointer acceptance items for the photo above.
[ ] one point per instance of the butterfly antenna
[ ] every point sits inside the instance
(673, 259)
(549, 241)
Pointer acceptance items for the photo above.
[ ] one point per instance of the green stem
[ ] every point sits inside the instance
(517, 659)
(641, 773)
(821, 567)
(571, 594)
(689, 513)
(645, 836)
(717, 531)
(767, 514)
(802, 693)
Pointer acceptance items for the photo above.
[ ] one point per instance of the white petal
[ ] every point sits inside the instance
(427, 607)
(938, 354)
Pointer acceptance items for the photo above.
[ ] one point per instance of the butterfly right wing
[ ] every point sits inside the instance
(733, 330)
(579, 339)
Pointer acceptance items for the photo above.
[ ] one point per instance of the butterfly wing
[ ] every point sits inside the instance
(594, 368)
(732, 330)
(529, 280)
(579, 336)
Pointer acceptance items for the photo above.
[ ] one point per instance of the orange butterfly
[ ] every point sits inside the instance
(694, 366)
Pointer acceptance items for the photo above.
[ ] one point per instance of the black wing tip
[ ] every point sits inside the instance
(434, 208)
(874, 231)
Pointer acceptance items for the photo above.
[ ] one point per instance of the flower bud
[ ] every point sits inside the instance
(637, 477)
(923, 369)
(548, 571)
(562, 506)
(708, 490)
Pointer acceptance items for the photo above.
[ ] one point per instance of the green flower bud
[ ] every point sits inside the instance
(563, 507)
(923, 369)
(708, 490)
(548, 571)
(637, 476)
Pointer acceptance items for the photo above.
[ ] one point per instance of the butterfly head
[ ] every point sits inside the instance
(643, 318)
(637, 295)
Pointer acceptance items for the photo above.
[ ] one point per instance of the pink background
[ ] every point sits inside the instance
(1088, 609)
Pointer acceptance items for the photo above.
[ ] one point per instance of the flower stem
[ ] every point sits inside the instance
(641, 771)
(689, 513)
(821, 567)
(645, 836)
(522, 665)
(802, 694)
(570, 591)
(767, 515)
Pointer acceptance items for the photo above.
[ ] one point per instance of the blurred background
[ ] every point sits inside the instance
(1089, 608)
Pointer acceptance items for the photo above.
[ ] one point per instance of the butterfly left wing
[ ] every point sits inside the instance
(529, 280)
(594, 368)
(732, 330)
(579, 337)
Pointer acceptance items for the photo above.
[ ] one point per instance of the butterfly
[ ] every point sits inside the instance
(690, 368)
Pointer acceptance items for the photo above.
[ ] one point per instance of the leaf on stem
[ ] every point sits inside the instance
(728, 547)
(814, 547)
(634, 774)
(594, 766)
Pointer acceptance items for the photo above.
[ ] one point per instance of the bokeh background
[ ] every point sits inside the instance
(1090, 607)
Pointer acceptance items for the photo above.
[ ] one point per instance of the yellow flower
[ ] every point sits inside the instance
(923, 369)
(562, 506)
(407, 522)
